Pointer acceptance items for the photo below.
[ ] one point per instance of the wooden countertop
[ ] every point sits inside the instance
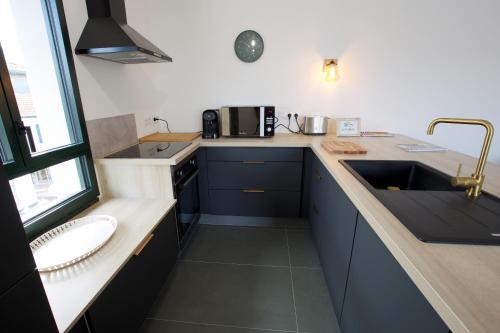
(73, 289)
(170, 137)
(461, 282)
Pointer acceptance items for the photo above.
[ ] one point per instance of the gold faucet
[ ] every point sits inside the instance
(474, 183)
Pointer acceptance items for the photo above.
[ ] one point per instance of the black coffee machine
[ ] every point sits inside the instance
(211, 124)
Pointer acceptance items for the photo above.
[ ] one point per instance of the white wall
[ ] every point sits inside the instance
(402, 63)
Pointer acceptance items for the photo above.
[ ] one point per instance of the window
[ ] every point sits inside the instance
(43, 140)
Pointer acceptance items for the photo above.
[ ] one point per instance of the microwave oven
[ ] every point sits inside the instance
(247, 121)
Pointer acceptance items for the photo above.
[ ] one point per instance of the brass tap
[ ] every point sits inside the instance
(474, 183)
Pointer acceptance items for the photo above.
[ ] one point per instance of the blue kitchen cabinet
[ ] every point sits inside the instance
(25, 308)
(201, 157)
(124, 304)
(23, 303)
(284, 176)
(380, 297)
(15, 252)
(306, 182)
(259, 202)
(254, 181)
(333, 221)
(254, 154)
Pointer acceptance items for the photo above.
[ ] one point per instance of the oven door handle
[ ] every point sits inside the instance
(183, 184)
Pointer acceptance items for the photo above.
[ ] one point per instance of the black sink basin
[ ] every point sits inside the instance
(402, 175)
(424, 200)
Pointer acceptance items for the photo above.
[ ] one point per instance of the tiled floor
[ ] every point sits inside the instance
(246, 280)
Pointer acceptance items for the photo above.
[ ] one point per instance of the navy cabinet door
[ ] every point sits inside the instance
(380, 296)
(15, 251)
(284, 176)
(334, 223)
(316, 186)
(265, 203)
(201, 155)
(306, 182)
(254, 181)
(253, 154)
(124, 304)
(25, 308)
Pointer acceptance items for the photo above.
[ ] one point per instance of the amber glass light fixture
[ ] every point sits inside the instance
(330, 68)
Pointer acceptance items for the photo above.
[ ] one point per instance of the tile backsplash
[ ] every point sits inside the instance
(109, 135)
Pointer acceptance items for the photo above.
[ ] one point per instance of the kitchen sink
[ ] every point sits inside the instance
(424, 200)
(400, 175)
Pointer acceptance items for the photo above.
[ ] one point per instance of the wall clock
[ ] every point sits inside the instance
(249, 46)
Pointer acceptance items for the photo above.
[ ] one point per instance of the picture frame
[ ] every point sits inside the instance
(348, 126)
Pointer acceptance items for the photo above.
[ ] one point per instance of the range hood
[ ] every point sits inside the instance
(108, 36)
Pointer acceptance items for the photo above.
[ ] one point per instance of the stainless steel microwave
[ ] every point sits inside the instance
(247, 121)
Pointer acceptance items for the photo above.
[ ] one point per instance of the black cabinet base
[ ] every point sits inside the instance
(25, 307)
(255, 203)
(380, 297)
(124, 304)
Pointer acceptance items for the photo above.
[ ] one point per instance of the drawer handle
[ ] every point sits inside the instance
(141, 246)
(318, 175)
(253, 162)
(315, 209)
(253, 191)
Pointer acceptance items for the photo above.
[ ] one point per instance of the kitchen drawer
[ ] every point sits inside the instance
(266, 203)
(262, 175)
(255, 154)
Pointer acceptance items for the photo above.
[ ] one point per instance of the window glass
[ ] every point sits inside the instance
(39, 191)
(31, 59)
(5, 152)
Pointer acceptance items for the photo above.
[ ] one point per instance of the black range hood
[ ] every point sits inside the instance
(108, 36)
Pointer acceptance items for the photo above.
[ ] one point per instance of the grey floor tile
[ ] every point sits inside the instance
(302, 249)
(160, 326)
(243, 296)
(314, 309)
(241, 245)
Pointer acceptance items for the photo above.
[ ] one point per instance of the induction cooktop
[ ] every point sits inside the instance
(151, 150)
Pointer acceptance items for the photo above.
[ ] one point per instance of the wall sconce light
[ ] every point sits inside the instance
(330, 67)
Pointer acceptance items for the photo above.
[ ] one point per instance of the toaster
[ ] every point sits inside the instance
(315, 125)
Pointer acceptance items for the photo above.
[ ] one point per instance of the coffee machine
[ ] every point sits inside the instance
(210, 124)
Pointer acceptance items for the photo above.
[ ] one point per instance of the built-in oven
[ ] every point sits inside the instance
(185, 178)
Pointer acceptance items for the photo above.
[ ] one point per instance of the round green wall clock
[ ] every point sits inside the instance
(249, 46)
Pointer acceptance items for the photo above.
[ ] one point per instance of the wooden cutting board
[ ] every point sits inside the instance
(170, 137)
(343, 147)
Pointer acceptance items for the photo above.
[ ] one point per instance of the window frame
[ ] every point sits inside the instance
(23, 161)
